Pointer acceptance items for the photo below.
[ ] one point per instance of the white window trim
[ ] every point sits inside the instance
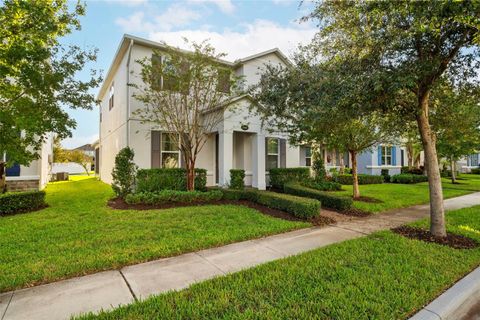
(385, 156)
(305, 148)
(273, 154)
(169, 152)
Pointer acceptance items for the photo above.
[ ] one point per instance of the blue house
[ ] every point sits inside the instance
(390, 157)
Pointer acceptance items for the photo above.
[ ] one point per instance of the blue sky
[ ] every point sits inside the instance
(238, 28)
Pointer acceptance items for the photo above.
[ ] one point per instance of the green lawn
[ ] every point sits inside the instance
(382, 276)
(405, 195)
(79, 234)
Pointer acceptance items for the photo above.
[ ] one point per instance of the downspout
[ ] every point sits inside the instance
(128, 92)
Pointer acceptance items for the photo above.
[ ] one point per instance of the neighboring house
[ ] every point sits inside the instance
(472, 161)
(241, 142)
(34, 176)
(73, 167)
(88, 149)
(389, 157)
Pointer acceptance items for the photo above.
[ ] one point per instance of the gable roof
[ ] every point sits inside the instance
(128, 40)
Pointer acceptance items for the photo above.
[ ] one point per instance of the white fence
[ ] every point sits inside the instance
(70, 167)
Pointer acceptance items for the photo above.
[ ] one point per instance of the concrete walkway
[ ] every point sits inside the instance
(106, 290)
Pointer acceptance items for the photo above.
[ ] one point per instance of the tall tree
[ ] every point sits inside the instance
(184, 93)
(456, 121)
(308, 102)
(403, 47)
(37, 76)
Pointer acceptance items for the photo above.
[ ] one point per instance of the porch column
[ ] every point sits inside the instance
(258, 162)
(225, 157)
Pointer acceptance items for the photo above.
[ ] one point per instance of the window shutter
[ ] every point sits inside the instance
(283, 153)
(379, 155)
(155, 136)
(394, 156)
(266, 154)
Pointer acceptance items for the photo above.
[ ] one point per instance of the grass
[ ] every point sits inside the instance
(382, 276)
(78, 234)
(405, 195)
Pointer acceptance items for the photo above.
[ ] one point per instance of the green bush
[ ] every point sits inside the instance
(417, 171)
(318, 166)
(166, 196)
(475, 171)
(408, 178)
(448, 173)
(280, 176)
(321, 185)
(16, 202)
(385, 174)
(328, 200)
(237, 179)
(232, 194)
(155, 180)
(123, 173)
(362, 179)
(300, 207)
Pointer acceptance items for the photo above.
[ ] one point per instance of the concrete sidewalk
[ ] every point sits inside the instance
(106, 290)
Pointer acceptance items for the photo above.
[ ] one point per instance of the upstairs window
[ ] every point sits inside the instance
(272, 153)
(167, 77)
(111, 96)
(223, 80)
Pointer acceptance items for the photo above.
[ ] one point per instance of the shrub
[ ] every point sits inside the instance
(318, 166)
(166, 196)
(408, 178)
(362, 179)
(280, 176)
(232, 194)
(386, 176)
(475, 171)
(155, 180)
(448, 173)
(123, 173)
(322, 185)
(417, 171)
(16, 202)
(300, 207)
(237, 179)
(347, 170)
(328, 200)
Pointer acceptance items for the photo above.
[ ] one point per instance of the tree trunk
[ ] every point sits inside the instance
(410, 155)
(356, 189)
(452, 169)
(190, 175)
(437, 212)
(342, 165)
(3, 185)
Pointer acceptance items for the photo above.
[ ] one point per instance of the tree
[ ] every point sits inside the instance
(37, 76)
(184, 93)
(81, 158)
(403, 48)
(456, 122)
(124, 172)
(308, 102)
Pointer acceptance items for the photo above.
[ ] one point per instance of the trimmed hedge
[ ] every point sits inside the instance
(407, 178)
(237, 179)
(321, 185)
(166, 196)
(16, 202)
(297, 206)
(300, 207)
(328, 200)
(475, 171)
(280, 176)
(416, 171)
(347, 179)
(155, 180)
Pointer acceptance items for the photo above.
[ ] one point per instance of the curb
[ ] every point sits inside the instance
(455, 302)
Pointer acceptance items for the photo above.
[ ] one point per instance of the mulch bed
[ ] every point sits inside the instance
(119, 203)
(451, 240)
(368, 200)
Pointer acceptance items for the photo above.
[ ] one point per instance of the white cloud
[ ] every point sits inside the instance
(175, 16)
(129, 3)
(225, 6)
(74, 142)
(256, 37)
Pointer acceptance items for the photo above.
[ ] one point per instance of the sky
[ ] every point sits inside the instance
(237, 28)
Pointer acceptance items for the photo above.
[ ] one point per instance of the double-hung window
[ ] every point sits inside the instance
(170, 151)
(273, 153)
(387, 155)
(308, 156)
(110, 96)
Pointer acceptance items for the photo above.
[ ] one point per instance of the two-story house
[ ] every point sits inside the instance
(240, 142)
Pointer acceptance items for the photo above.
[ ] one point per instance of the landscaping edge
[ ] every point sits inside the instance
(455, 302)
